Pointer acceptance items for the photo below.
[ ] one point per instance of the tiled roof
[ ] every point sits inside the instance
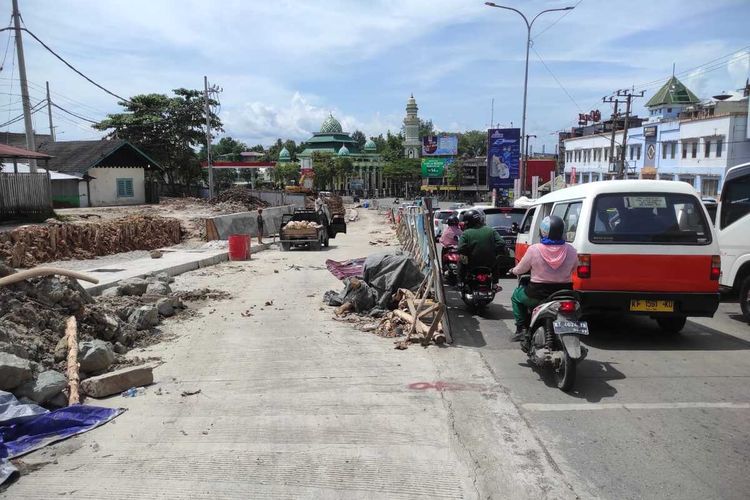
(673, 92)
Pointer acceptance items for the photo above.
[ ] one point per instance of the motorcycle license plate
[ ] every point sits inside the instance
(652, 305)
(563, 327)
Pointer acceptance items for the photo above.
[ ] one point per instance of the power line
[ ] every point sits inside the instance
(558, 81)
(558, 19)
(18, 118)
(49, 49)
(73, 114)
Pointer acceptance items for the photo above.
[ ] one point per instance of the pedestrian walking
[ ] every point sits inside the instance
(261, 225)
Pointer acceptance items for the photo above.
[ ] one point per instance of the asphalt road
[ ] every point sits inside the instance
(652, 415)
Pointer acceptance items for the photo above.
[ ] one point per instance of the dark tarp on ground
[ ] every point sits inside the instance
(387, 272)
(28, 427)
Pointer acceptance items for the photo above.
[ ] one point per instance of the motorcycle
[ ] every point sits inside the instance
(554, 340)
(449, 265)
(478, 288)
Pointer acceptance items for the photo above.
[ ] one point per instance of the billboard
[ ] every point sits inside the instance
(435, 167)
(503, 153)
(443, 145)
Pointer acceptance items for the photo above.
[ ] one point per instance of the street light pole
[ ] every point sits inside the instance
(522, 173)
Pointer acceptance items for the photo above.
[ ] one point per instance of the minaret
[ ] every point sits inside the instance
(412, 142)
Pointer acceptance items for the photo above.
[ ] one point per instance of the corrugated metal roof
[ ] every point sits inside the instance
(79, 156)
(21, 154)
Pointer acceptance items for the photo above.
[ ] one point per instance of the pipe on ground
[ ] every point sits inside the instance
(45, 271)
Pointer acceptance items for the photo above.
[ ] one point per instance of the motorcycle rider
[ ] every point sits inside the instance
(551, 263)
(451, 233)
(480, 244)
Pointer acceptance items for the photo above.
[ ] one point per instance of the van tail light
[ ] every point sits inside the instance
(567, 306)
(715, 267)
(584, 266)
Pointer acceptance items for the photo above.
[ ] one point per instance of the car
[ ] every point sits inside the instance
(711, 205)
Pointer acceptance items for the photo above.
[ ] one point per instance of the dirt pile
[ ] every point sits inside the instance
(28, 246)
(33, 315)
(239, 195)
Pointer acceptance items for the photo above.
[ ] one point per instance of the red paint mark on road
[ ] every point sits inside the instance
(441, 386)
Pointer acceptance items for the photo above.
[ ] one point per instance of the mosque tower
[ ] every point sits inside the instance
(412, 142)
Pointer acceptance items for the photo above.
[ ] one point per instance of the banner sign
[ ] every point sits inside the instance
(435, 167)
(503, 152)
(443, 145)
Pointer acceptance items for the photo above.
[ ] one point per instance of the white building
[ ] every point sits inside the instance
(412, 142)
(684, 139)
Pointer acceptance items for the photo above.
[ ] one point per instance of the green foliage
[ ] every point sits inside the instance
(284, 173)
(472, 143)
(168, 129)
(324, 168)
(360, 139)
(403, 170)
(426, 128)
(343, 166)
(455, 172)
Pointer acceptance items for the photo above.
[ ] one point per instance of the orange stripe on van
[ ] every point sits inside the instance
(648, 273)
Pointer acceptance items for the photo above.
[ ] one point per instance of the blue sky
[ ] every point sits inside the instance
(284, 65)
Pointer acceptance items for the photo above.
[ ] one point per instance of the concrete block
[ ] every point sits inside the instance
(118, 381)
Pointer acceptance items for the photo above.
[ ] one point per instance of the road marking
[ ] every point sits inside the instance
(630, 406)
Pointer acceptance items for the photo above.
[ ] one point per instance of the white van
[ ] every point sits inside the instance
(733, 229)
(644, 247)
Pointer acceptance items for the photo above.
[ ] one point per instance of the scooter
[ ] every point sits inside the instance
(478, 289)
(554, 335)
(449, 265)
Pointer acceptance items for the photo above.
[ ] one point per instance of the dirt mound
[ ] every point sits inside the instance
(239, 195)
(28, 246)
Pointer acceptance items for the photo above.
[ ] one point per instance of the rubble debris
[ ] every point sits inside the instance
(156, 254)
(269, 303)
(190, 393)
(46, 386)
(118, 381)
(95, 355)
(144, 317)
(28, 246)
(14, 371)
(132, 286)
(239, 195)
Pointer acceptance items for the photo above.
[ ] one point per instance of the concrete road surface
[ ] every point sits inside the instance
(652, 416)
(296, 405)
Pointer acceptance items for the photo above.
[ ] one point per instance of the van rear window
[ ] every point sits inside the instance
(642, 218)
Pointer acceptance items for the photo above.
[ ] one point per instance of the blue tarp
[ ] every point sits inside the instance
(27, 427)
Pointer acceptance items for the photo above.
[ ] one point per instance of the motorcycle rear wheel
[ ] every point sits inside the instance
(565, 374)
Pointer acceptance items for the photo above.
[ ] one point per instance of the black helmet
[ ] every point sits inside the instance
(452, 220)
(473, 218)
(552, 227)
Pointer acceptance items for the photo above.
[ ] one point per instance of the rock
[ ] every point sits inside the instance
(62, 291)
(120, 349)
(177, 303)
(45, 387)
(132, 286)
(126, 336)
(14, 371)
(6, 270)
(58, 401)
(110, 327)
(109, 292)
(117, 381)
(156, 254)
(165, 307)
(15, 350)
(158, 288)
(144, 317)
(95, 355)
(165, 278)
(61, 349)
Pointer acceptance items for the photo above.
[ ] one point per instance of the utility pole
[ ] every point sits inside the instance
(208, 138)
(612, 99)
(628, 95)
(49, 113)
(24, 87)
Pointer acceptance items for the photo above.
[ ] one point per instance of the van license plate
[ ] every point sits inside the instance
(564, 327)
(652, 305)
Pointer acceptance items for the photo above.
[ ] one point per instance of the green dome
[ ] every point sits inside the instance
(344, 151)
(331, 126)
(370, 146)
(284, 155)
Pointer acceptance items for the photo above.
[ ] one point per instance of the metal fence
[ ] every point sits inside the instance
(416, 233)
(24, 194)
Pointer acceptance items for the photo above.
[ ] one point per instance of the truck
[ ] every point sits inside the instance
(309, 228)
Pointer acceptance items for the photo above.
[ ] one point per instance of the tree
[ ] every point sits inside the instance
(324, 168)
(472, 143)
(360, 139)
(284, 173)
(455, 172)
(227, 149)
(168, 129)
(404, 171)
(426, 128)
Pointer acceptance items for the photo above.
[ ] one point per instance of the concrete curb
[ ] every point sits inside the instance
(172, 270)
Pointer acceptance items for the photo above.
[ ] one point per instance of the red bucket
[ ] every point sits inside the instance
(239, 247)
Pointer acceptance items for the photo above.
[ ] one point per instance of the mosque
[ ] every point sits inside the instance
(368, 163)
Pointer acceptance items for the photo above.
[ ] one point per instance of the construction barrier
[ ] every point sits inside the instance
(416, 234)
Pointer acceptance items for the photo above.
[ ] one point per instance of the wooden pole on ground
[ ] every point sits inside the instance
(71, 333)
